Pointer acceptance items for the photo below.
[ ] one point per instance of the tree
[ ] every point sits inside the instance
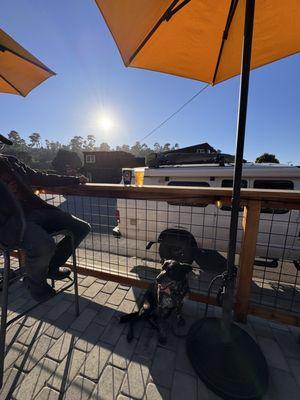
(76, 144)
(124, 147)
(157, 148)
(166, 147)
(53, 146)
(19, 144)
(267, 158)
(64, 160)
(89, 143)
(104, 147)
(35, 140)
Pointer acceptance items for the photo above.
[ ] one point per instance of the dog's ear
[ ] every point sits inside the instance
(167, 264)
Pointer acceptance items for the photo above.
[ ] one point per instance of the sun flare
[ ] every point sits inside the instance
(106, 122)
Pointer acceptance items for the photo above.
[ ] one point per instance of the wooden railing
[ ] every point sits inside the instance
(251, 199)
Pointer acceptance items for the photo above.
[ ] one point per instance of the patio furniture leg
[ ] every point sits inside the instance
(75, 277)
(4, 313)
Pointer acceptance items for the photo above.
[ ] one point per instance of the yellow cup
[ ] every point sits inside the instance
(139, 177)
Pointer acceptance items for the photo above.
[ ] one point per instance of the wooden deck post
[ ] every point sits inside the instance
(247, 255)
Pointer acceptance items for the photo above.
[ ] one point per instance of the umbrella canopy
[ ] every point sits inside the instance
(20, 71)
(200, 39)
(212, 41)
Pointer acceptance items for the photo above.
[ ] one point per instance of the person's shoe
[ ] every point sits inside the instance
(59, 274)
(39, 292)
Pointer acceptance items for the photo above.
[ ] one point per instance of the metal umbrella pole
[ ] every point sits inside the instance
(224, 355)
(238, 164)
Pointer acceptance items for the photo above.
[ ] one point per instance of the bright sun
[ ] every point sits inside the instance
(106, 122)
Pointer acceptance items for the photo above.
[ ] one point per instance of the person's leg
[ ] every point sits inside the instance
(39, 249)
(53, 220)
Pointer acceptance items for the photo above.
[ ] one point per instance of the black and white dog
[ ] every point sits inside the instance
(164, 296)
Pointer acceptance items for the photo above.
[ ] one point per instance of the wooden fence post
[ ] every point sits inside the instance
(247, 256)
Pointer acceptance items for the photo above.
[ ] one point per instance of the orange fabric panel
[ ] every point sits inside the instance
(130, 21)
(276, 35)
(20, 71)
(22, 75)
(189, 43)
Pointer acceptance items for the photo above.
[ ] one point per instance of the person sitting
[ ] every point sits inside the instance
(44, 259)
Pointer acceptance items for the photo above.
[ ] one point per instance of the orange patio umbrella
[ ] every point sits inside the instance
(20, 71)
(211, 41)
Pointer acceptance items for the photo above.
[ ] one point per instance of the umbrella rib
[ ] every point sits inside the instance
(230, 16)
(43, 67)
(166, 16)
(13, 86)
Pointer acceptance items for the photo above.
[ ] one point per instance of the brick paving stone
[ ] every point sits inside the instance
(84, 319)
(136, 378)
(32, 334)
(295, 332)
(295, 368)
(182, 361)
(99, 300)
(278, 326)
(93, 290)
(80, 389)
(154, 392)
(14, 332)
(103, 281)
(113, 331)
(202, 390)
(147, 343)
(109, 287)
(288, 344)
(57, 311)
(122, 353)
(67, 370)
(109, 384)
(134, 294)
(104, 315)
(282, 386)
(96, 361)
(184, 387)
(28, 321)
(11, 378)
(273, 353)
(34, 353)
(35, 380)
(47, 394)
(15, 351)
(263, 330)
(87, 281)
(117, 297)
(124, 287)
(162, 369)
(126, 306)
(61, 347)
(89, 337)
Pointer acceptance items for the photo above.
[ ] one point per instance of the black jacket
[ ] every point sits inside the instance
(26, 178)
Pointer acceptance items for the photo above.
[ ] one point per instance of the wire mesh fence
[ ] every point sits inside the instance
(129, 237)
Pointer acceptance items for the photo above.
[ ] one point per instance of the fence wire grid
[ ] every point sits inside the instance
(276, 280)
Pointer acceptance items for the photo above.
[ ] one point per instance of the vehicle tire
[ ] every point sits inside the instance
(178, 249)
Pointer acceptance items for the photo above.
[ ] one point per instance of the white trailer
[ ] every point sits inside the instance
(161, 230)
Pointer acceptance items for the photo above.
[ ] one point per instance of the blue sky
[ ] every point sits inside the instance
(71, 38)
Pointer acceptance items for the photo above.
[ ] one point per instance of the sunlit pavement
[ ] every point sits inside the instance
(54, 355)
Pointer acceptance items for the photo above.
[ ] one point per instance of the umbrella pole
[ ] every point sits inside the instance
(238, 165)
(226, 358)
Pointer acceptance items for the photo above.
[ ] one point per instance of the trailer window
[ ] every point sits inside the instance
(274, 184)
(229, 183)
(188, 183)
